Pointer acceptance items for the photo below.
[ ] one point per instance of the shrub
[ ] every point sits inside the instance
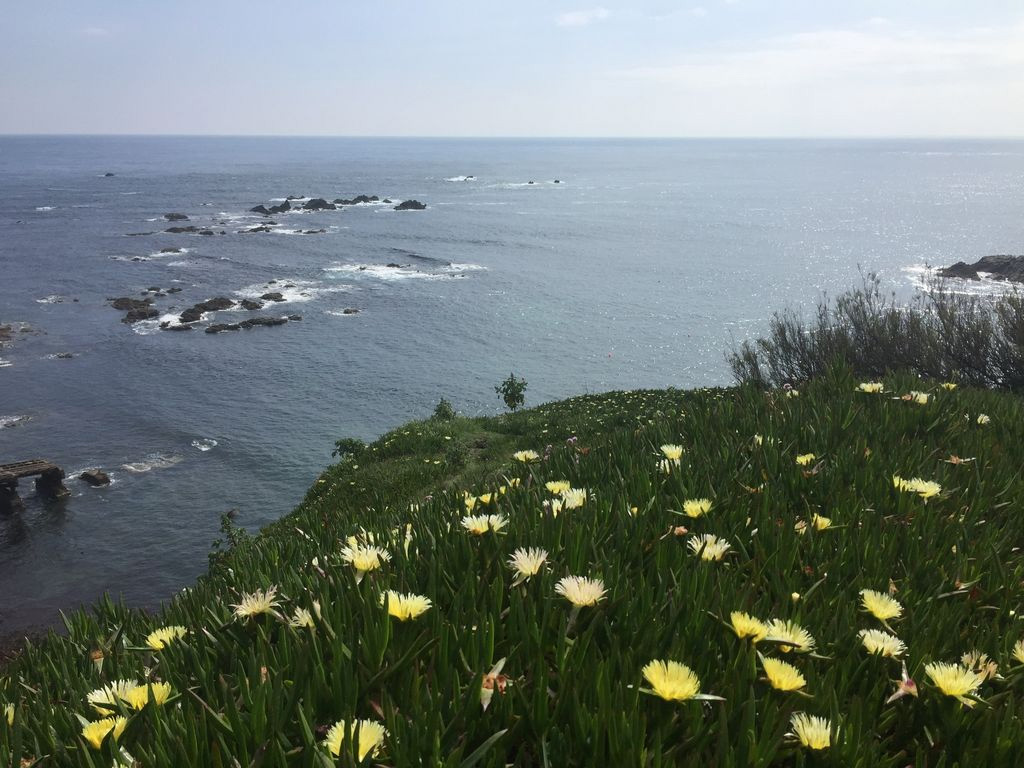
(976, 340)
(443, 411)
(512, 391)
(348, 448)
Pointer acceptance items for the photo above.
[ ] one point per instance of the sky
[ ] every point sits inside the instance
(717, 68)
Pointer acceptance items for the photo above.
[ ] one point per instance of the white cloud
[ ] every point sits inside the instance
(700, 12)
(582, 18)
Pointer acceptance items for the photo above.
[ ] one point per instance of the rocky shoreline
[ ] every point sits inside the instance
(999, 267)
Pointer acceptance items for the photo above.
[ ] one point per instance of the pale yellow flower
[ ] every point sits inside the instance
(581, 591)
(880, 605)
(302, 619)
(745, 625)
(673, 453)
(469, 501)
(665, 466)
(805, 458)
(696, 507)
(256, 603)
(955, 680)
(369, 736)
(9, 714)
(758, 440)
(812, 732)
(161, 638)
(527, 563)
(983, 419)
(949, 386)
(97, 731)
(921, 398)
(781, 675)
(558, 487)
(671, 680)
(709, 547)
(792, 393)
(876, 641)
(791, 636)
(926, 489)
(554, 506)
(365, 558)
(138, 697)
(979, 662)
(574, 498)
(481, 524)
(1018, 651)
(405, 607)
(871, 387)
(485, 498)
(526, 456)
(105, 699)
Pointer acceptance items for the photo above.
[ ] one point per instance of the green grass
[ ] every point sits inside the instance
(261, 692)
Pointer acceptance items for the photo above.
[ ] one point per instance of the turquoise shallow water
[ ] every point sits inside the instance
(637, 269)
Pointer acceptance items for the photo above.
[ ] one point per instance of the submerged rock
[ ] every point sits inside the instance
(1000, 267)
(261, 228)
(251, 304)
(126, 302)
(273, 296)
(196, 311)
(263, 321)
(318, 204)
(350, 311)
(260, 209)
(176, 217)
(412, 205)
(142, 313)
(219, 327)
(108, 174)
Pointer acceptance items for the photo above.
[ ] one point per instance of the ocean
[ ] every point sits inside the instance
(639, 267)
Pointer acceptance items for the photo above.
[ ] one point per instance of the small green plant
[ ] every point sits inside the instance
(348, 448)
(456, 455)
(512, 391)
(443, 411)
(234, 536)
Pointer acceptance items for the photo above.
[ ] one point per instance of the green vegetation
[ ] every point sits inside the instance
(939, 334)
(512, 391)
(801, 489)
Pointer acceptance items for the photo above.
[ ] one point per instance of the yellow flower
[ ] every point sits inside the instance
(665, 466)
(758, 440)
(791, 635)
(138, 697)
(554, 506)
(709, 547)
(792, 393)
(527, 563)
(260, 601)
(574, 498)
(161, 638)
(9, 714)
(921, 398)
(369, 736)
(871, 387)
(1018, 651)
(926, 489)
(525, 456)
(671, 680)
(696, 507)
(469, 501)
(878, 642)
(949, 386)
(302, 619)
(405, 607)
(97, 731)
(782, 676)
(812, 732)
(955, 680)
(558, 487)
(979, 662)
(105, 699)
(365, 557)
(820, 522)
(581, 591)
(485, 498)
(481, 524)
(805, 458)
(745, 625)
(983, 419)
(880, 605)
(673, 453)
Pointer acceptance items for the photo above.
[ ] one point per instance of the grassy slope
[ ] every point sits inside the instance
(264, 691)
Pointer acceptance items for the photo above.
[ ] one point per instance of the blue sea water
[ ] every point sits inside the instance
(637, 269)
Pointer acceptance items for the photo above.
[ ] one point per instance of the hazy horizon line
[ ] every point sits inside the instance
(539, 137)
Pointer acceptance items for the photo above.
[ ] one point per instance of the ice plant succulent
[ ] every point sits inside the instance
(138, 697)
(1018, 651)
(673, 453)
(790, 636)
(526, 456)
(875, 641)
(805, 458)
(871, 387)
(557, 487)
(696, 507)
(812, 732)
(709, 547)
(581, 591)
(574, 498)
(926, 489)
(480, 524)
(781, 675)
(161, 638)
(105, 699)
(955, 680)
(407, 606)
(880, 605)
(526, 563)
(746, 626)
(369, 736)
